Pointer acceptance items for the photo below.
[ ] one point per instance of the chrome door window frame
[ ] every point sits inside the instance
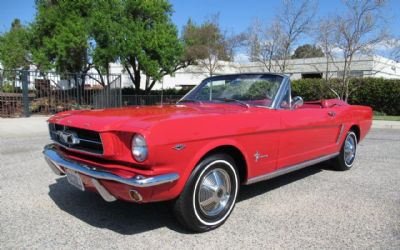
(279, 98)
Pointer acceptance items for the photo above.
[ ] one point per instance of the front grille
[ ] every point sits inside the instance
(76, 138)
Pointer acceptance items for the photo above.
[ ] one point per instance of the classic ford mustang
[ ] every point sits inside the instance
(230, 130)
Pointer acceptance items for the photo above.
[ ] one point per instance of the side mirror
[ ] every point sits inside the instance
(297, 102)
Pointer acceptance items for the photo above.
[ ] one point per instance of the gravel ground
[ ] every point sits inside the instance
(311, 208)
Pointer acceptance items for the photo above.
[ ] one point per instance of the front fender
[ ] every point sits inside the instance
(171, 159)
(211, 145)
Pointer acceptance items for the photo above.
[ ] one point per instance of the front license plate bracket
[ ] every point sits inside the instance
(74, 179)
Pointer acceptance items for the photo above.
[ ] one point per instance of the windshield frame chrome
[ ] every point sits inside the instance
(275, 104)
(285, 86)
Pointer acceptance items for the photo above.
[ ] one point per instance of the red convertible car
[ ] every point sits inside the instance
(230, 130)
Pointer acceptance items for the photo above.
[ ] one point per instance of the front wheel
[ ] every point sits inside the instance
(345, 159)
(209, 195)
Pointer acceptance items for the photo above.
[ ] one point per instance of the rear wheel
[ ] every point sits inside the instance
(209, 195)
(345, 160)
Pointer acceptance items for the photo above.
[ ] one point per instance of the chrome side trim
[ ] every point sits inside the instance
(340, 134)
(51, 154)
(289, 169)
(103, 191)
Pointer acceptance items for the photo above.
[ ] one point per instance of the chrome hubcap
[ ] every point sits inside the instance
(214, 192)
(349, 150)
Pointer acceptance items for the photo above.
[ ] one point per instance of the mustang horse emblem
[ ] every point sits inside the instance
(69, 138)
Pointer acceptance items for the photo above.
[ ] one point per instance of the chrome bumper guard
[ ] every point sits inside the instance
(55, 160)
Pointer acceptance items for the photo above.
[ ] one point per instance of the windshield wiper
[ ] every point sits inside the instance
(188, 100)
(232, 100)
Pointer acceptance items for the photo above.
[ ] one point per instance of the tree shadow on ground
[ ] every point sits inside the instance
(130, 218)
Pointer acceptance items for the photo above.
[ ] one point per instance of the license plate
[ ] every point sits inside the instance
(74, 179)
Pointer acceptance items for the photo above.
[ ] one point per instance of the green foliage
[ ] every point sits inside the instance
(261, 89)
(105, 32)
(205, 40)
(313, 89)
(75, 35)
(9, 88)
(387, 117)
(147, 40)
(61, 35)
(14, 47)
(308, 51)
(206, 44)
(383, 95)
(239, 90)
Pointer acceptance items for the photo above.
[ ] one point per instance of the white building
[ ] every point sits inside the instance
(362, 66)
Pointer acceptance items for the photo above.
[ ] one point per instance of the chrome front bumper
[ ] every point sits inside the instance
(55, 160)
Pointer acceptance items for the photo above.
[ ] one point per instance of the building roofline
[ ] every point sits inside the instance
(250, 73)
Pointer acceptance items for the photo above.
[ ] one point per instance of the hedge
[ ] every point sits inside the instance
(383, 95)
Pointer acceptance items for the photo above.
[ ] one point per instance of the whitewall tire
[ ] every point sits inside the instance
(209, 195)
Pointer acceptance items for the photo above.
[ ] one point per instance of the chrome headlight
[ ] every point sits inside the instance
(139, 148)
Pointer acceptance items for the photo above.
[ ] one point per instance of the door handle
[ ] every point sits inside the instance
(331, 113)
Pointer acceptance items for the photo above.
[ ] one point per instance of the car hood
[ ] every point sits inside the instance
(143, 117)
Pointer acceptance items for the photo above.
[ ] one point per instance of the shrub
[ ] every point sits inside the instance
(383, 95)
(9, 88)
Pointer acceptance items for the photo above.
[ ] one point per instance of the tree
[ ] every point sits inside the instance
(394, 44)
(253, 42)
(14, 51)
(104, 33)
(77, 35)
(272, 45)
(14, 47)
(208, 45)
(265, 44)
(359, 31)
(295, 20)
(308, 51)
(327, 39)
(148, 41)
(61, 35)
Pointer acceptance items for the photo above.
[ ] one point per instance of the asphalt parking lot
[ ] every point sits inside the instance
(311, 208)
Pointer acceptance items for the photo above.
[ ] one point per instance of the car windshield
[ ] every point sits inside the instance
(246, 89)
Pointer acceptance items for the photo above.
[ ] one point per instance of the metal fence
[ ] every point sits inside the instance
(32, 92)
(23, 93)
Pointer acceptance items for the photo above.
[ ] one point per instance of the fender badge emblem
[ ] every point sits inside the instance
(179, 146)
(259, 156)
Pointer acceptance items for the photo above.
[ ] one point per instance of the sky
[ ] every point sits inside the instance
(235, 16)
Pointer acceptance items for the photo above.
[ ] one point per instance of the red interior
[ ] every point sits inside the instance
(264, 102)
(327, 103)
